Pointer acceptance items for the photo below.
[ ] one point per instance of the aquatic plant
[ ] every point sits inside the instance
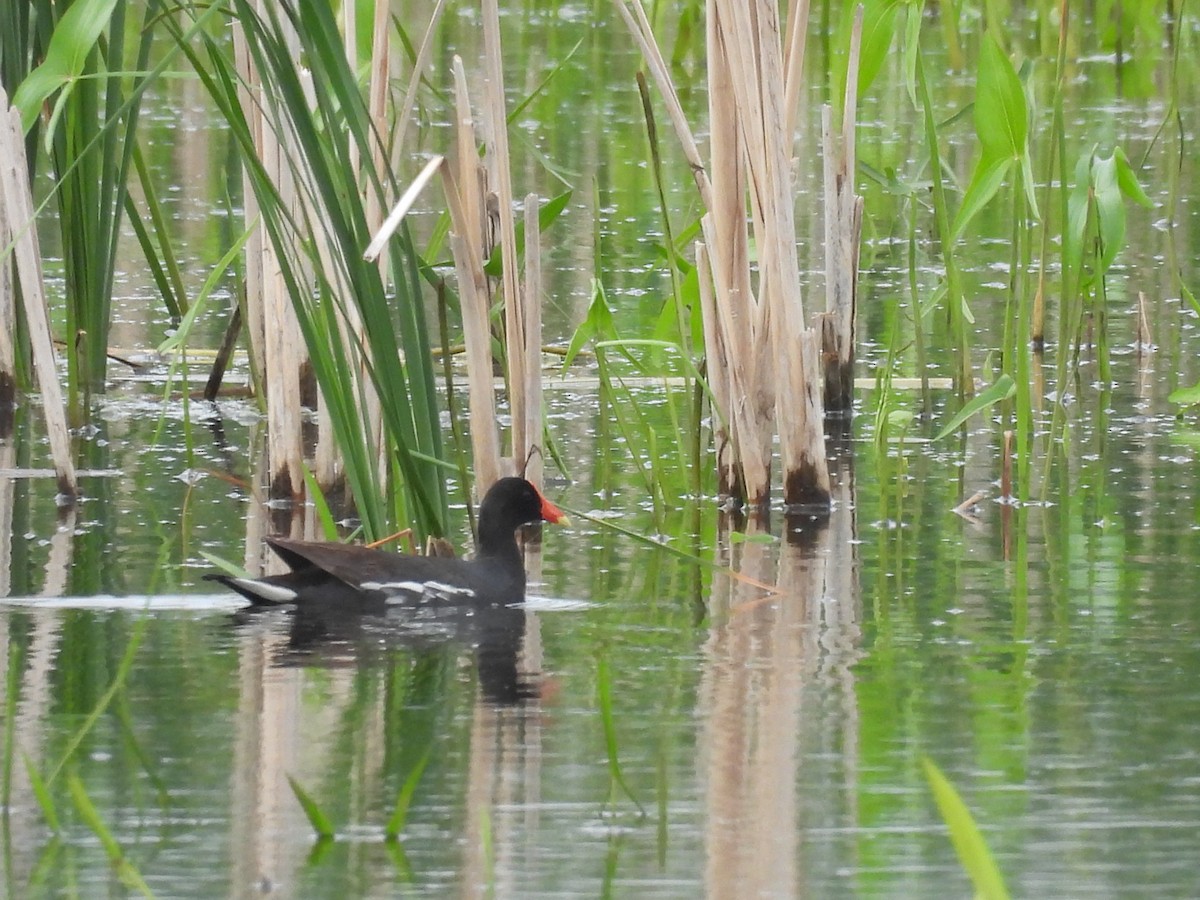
(313, 200)
(90, 138)
(762, 353)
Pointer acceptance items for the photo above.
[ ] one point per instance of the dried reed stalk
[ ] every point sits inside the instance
(481, 399)
(758, 332)
(8, 293)
(719, 381)
(843, 230)
(738, 321)
(282, 359)
(404, 116)
(17, 228)
(274, 332)
(532, 463)
(797, 19)
(466, 202)
(639, 27)
(250, 99)
(499, 174)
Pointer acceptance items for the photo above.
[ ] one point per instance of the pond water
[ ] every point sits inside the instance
(703, 712)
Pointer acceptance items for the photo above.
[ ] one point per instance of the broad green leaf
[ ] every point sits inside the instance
(1004, 388)
(1110, 208)
(968, 843)
(879, 20)
(1001, 114)
(879, 26)
(1127, 179)
(985, 182)
(1188, 396)
(1190, 298)
(73, 39)
(1077, 211)
(547, 215)
(598, 324)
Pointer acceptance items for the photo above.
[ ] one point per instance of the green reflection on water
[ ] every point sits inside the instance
(1049, 665)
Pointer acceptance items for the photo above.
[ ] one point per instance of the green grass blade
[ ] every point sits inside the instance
(164, 265)
(968, 842)
(316, 816)
(317, 496)
(41, 792)
(126, 871)
(1004, 388)
(404, 798)
(225, 565)
(183, 331)
(604, 700)
(118, 682)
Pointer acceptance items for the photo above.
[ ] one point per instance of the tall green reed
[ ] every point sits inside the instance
(319, 107)
(1002, 128)
(96, 68)
(957, 313)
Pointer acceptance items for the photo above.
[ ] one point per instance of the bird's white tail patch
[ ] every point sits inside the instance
(271, 593)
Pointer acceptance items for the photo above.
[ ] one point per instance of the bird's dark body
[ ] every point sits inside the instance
(365, 578)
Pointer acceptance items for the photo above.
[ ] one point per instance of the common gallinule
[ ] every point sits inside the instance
(347, 573)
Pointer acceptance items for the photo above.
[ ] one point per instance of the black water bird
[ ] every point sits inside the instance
(347, 574)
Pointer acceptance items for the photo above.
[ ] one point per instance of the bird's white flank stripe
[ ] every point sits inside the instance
(418, 587)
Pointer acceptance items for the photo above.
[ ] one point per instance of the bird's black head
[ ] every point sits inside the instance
(509, 504)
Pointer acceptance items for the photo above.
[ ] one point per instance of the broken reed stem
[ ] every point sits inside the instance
(284, 443)
(843, 227)
(718, 375)
(466, 201)
(377, 97)
(274, 347)
(471, 176)
(758, 83)
(751, 119)
(17, 228)
(249, 98)
(400, 210)
(473, 301)
(797, 20)
(735, 319)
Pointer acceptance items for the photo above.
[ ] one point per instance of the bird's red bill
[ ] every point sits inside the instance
(552, 513)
